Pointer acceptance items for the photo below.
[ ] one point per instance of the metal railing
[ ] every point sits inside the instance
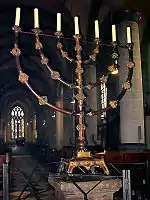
(6, 176)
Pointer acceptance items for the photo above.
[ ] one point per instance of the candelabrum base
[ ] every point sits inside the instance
(83, 162)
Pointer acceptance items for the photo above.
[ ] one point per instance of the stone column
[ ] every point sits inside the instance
(148, 61)
(91, 102)
(147, 118)
(131, 106)
(1, 130)
(59, 125)
(147, 130)
(68, 135)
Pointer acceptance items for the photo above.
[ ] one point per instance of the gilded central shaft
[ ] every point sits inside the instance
(80, 96)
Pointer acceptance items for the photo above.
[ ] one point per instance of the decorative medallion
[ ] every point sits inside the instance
(79, 70)
(115, 56)
(81, 127)
(80, 96)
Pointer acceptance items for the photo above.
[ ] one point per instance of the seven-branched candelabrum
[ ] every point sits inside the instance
(79, 86)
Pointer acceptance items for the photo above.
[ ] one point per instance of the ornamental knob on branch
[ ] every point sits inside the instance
(131, 65)
(16, 28)
(126, 85)
(15, 51)
(89, 113)
(113, 103)
(55, 75)
(93, 57)
(38, 45)
(64, 54)
(44, 60)
(58, 34)
(23, 78)
(88, 86)
(72, 86)
(43, 100)
(111, 68)
(103, 79)
(59, 45)
(37, 31)
(96, 50)
(115, 56)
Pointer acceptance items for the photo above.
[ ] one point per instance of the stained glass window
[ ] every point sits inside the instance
(103, 99)
(17, 122)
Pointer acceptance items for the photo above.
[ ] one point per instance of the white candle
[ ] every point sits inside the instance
(36, 18)
(113, 33)
(96, 29)
(58, 22)
(76, 25)
(128, 34)
(17, 19)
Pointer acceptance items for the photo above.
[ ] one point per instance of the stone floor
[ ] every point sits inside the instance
(23, 165)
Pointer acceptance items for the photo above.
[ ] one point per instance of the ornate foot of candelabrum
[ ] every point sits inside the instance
(84, 163)
(82, 158)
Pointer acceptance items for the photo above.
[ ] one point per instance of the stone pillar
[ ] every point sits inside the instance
(59, 125)
(91, 102)
(1, 130)
(148, 61)
(147, 130)
(68, 135)
(131, 106)
(147, 118)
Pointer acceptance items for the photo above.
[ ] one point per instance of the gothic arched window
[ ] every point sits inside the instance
(17, 122)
